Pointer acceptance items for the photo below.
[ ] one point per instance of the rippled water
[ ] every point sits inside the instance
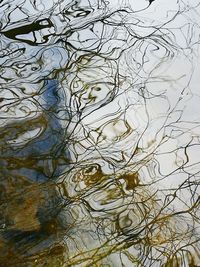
(100, 131)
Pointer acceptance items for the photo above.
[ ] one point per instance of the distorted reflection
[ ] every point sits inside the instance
(99, 133)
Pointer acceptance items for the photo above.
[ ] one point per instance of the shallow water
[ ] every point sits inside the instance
(99, 133)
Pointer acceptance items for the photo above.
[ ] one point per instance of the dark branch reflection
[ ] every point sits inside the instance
(99, 133)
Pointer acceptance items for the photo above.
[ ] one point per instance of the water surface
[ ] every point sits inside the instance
(99, 133)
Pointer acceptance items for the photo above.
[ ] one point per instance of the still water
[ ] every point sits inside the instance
(99, 133)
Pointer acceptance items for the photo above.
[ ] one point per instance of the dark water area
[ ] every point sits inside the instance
(99, 133)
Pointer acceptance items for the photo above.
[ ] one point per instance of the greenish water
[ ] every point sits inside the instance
(99, 133)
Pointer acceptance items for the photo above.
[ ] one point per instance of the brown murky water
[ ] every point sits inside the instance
(99, 133)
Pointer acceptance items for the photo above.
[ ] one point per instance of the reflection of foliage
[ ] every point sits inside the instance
(128, 83)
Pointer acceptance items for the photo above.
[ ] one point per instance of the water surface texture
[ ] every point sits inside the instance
(99, 133)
